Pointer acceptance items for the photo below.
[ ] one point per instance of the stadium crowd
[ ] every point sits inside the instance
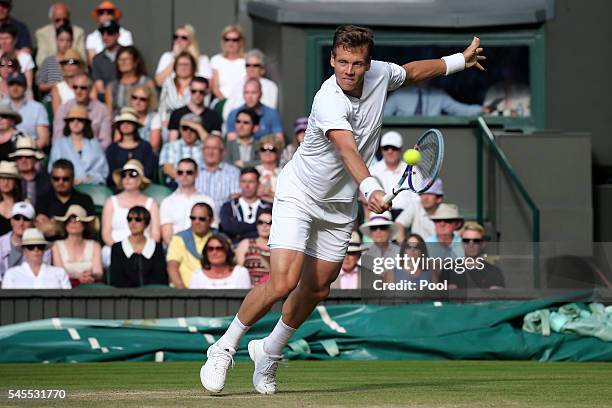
(111, 175)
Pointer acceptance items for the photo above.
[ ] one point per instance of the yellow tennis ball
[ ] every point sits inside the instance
(412, 156)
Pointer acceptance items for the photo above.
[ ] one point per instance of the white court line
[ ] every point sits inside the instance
(74, 334)
(159, 356)
(329, 321)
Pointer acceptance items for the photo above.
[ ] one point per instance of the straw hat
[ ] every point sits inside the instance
(78, 112)
(131, 164)
(449, 212)
(6, 110)
(32, 236)
(107, 5)
(72, 54)
(355, 244)
(8, 169)
(379, 219)
(81, 215)
(193, 121)
(127, 115)
(25, 146)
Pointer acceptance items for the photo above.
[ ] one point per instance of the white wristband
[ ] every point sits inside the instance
(454, 63)
(368, 185)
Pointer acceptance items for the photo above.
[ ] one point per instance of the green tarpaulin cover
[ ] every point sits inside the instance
(428, 331)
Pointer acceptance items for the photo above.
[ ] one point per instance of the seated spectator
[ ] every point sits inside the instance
(34, 178)
(184, 41)
(63, 91)
(390, 169)
(422, 100)
(10, 193)
(218, 179)
(48, 42)
(211, 121)
(8, 45)
(115, 228)
(50, 72)
(185, 249)
(138, 260)
(104, 64)
(96, 111)
(175, 90)
(104, 13)
(445, 243)
(254, 253)
(219, 270)
(228, 66)
(131, 72)
(79, 147)
(255, 68)
(414, 250)
(35, 272)
(34, 117)
(299, 131)
(381, 228)
(239, 215)
(189, 145)
(144, 102)
(269, 119)
(242, 151)
(78, 253)
(62, 196)
(486, 277)
(9, 65)
(24, 40)
(22, 218)
(175, 208)
(129, 146)
(9, 119)
(349, 276)
(269, 151)
(417, 215)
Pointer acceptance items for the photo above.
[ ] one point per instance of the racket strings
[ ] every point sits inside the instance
(424, 173)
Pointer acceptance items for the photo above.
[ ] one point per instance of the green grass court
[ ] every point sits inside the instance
(470, 384)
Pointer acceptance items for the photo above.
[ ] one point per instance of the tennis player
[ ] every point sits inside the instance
(316, 197)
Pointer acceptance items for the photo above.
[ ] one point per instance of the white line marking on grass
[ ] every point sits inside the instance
(159, 356)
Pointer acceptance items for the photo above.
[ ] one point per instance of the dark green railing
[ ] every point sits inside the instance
(486, 137)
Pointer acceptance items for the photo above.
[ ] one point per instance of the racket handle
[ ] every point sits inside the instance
(389, 197)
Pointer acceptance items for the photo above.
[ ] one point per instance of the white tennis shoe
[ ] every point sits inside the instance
(214, 371)
(264, 376)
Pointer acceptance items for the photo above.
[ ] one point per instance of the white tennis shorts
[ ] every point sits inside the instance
(321, 230)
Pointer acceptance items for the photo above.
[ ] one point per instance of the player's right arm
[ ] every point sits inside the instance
(344, 141)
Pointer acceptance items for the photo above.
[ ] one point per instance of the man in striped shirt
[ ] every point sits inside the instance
(217, 179)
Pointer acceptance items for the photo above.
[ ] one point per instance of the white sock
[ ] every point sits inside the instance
(278, 339)
(233, 334)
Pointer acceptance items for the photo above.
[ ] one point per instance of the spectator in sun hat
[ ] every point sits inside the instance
(348, 278)
(446, 242)
(8, 131)
(34, 117)
(299, 131)
(35, 272)
(189, 145)
(269, 152)
(10, 193)
(381, 229)
(64, 91)
(105, 12)
(34, 179)
(416, 216)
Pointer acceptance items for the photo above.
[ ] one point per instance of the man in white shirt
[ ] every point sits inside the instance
(391, 168)
(315, 203)
(417, 215)
(175, 209)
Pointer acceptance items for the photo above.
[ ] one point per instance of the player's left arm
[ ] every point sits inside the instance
(423, 70)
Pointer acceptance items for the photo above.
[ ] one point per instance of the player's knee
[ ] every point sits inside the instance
(321, 293)
(279, 290)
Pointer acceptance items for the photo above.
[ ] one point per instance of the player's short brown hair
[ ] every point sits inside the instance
(351, 36)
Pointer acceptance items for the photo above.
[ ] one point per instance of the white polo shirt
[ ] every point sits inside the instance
(176, 209)
(316, 165)
(415, 217)
(388, 178)
(22, 277)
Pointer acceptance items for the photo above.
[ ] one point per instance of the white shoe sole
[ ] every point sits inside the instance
(208, 388)
(251, 348)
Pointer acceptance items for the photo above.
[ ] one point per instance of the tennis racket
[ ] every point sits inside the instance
(420, 177)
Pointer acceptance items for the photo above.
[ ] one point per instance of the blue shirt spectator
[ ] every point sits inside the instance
(89, 163)
(425, 101)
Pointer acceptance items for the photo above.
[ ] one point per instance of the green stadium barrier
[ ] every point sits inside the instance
(158, 192)
(427, 331)
(98, 194)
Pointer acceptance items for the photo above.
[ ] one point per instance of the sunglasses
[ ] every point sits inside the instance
(62, 179)
(215, 248)
(262, 222)
(201, 219)
(253, 65)
(231, 39)
(180, 37)
(471, 240)
(379, 227)
(443, 221)
(74, 218)
(80, 88)
(135, 219)
(20, 217)
(6, 64)
(187, 128)
(267, 149)
(187, 172)
(101, 12)
(40, 247)
(395, 149)
(69, 120)
(140, 98)
(198, 91)
(108, 32)
(70, 61)
(412, 245)
(130, 173)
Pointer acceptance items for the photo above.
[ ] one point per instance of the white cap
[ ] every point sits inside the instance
(392, 138)
(23, 208)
